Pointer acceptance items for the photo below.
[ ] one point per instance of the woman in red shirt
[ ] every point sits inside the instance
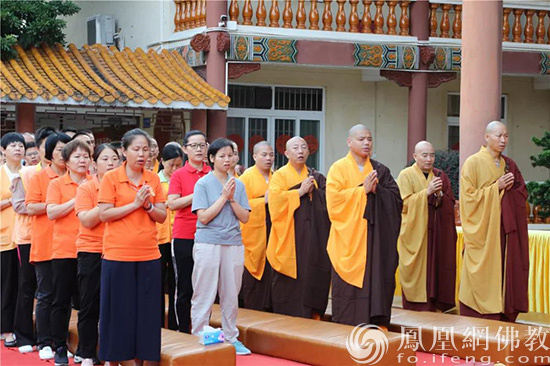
(180, 197)
(89, 246)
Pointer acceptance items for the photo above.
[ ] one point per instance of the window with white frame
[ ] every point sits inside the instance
(453, 118)
(275, 114)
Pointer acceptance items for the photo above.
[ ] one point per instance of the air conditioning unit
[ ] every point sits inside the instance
(101, 29)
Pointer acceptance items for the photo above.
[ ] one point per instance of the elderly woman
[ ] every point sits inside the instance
(13, 147)
(220, 203)
(131, 202)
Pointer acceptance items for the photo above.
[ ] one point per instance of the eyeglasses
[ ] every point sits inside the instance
(196, 146)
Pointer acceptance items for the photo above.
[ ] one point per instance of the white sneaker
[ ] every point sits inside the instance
(46, 353)
(88, 362)
(69, 354)
(26, 349)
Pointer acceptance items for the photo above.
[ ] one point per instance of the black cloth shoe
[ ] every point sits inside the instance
(61, 358)
(10, 344)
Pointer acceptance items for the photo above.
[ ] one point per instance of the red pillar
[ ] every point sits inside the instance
(25, 117)
(215, 69)
(418, 91)
(480, 77)
(198, 120)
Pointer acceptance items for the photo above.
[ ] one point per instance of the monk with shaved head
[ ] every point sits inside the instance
(495, 268)
(299, 230)
(256, 286)
(427, 240)
(364, 206)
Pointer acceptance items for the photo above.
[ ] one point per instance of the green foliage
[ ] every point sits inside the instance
(449, 162)
(539, 193)
(32, 22)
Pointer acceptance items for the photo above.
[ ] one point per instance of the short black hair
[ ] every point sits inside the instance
(192, 133)
(100, 148)
(11, 137)
(74, 145)
(69, 129)
(131, 135)
(42, 133)
(170, 152)
(51, 143)
(30, 145)
(81, 133)
(116, 144)
(216, 146)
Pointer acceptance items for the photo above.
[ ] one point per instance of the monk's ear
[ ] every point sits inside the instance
(349, 141)
(486, 137)
(286, 154)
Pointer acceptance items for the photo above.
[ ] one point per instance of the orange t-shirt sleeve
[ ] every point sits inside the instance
(34, 193)
(107, 189)
(84, 199)
(54, 193)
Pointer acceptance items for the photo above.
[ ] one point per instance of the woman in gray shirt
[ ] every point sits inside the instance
(220, 202)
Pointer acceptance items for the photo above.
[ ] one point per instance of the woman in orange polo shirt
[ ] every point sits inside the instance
(60, 202)
(131, 202)
(89, 246)
(172, 160)
(41, 238)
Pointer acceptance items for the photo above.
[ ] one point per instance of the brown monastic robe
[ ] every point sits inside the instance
(372, 302)
(514, 250)
(440, 256)
(307, 294)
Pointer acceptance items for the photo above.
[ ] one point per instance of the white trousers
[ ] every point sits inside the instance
(217, 269)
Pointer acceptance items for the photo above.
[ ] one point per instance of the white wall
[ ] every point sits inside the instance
(382, 106)
(142, 22)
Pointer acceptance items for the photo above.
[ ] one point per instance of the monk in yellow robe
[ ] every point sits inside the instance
(256, 285)
(427, 241)
(495, 268)
(299, 230)
(364, 206)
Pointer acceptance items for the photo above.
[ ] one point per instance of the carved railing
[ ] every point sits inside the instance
(355, 16)
(519, 25)
(189, 14)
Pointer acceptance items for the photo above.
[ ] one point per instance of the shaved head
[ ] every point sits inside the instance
(297, 152)
(494, 126)
(422, 145)
(496, 136)
(260, 145)
(357, 129)
(424, 156)
(294, 140)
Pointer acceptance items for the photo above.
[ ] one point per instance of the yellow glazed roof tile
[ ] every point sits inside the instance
(97, 74)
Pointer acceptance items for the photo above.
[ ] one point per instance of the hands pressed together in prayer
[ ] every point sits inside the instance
(506, 181)
(435, 186)
(143, 197)
(229, 189)
(371, 182)
(307, 186)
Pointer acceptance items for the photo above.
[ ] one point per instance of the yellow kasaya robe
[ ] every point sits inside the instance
(346, 203)
(254, 232)
(481, 286)
(281, 248)
(413, 237)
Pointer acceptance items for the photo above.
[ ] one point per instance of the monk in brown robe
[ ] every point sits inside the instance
(256, 285)
(299, 231)
(495, 270)
(364, 207)
(427, 241)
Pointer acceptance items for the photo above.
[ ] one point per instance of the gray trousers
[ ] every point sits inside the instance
(218, 269)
